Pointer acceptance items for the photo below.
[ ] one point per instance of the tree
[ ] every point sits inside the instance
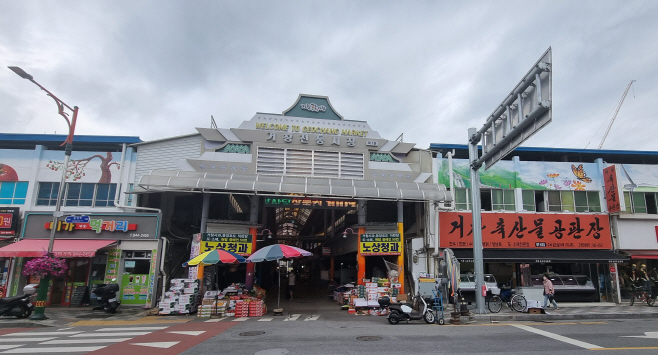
(77, 167)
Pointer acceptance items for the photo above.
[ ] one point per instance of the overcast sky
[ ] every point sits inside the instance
(427, 69)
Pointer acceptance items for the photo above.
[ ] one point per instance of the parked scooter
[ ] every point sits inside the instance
(106, 294)
(405, 311)
(19, 306)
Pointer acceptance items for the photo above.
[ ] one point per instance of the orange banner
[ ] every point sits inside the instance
(612, 196)
(527, 230)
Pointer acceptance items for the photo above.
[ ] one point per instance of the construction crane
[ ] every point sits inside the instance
(616, 112)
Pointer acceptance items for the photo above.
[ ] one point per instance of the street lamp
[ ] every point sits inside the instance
(345, 232)
(39, 311)
(269, 235)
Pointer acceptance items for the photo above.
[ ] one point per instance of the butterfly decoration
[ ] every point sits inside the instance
(580, 173)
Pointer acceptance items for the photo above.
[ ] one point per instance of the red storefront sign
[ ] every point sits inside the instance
(612, 196)
(527, 230)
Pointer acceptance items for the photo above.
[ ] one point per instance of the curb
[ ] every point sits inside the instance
(537, 317)
(23, 324)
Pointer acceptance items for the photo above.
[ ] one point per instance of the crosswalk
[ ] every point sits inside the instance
(288, 318)
(68, 341)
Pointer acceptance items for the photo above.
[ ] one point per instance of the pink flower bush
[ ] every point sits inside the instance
(44, 266)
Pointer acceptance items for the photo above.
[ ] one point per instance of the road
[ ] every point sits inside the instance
(307, 334)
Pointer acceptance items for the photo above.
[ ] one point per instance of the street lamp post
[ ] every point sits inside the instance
(39, 311)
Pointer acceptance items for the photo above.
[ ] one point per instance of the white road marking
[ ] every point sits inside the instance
(37, 334)
(161, 344)
(188, 332)
(15, 340)
(313, 317)
(265, 319)
(647, 335)
(241, 319)
(293, 317)
(84, 341)
(93, 335)
(559, 337)
(129, 329)
(216, 320)
(5, 347)
(64, 329)
(70, 349)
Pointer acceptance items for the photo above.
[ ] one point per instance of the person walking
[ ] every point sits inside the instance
(291, 283)
(549, 293)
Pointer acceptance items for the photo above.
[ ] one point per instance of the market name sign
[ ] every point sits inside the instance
(240, 244)
(316, 203)
(380, 244)
(527, 231)
(310, 129)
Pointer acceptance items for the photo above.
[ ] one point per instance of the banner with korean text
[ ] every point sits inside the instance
(380, 244)
(527, 230)
(237, 243)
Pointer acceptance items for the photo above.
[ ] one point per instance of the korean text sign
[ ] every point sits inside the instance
(240, 244)
(527, 230)
(613, 198)
(380, 244)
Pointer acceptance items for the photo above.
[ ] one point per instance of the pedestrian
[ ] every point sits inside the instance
(549, 293)
(291, 283)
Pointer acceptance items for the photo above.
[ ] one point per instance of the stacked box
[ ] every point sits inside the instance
(179, 299)
(361, 291)
(241, 308)
(371, 291)
(256, 308)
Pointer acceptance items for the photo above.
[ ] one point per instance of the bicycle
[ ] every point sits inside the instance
(512, 300)
(640, 294)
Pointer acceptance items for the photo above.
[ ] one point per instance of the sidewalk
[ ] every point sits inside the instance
(573, 311)
(63, 315)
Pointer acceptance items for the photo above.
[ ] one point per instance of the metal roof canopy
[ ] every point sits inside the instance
(178, 180)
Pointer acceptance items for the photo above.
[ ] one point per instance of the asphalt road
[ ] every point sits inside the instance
(358, 335)
(330, 337)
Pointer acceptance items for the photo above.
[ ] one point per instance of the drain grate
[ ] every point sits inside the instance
(369, 338)
(251, 334)
(95, 316)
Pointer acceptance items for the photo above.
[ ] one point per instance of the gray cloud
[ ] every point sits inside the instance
(430, 70)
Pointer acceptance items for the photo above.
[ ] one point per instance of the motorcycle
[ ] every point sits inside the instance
(106, 294)
(18, 306)
(405, 312)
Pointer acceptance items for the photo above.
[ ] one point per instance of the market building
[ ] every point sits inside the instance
(99, 233)
(546, 210)
(307, 177)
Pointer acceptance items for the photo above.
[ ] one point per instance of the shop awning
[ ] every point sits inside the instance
(178, 180)
(642, 254)
(63, 248)
(542, 256)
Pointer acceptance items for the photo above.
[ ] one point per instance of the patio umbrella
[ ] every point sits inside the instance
(217, 256)
(276, 252)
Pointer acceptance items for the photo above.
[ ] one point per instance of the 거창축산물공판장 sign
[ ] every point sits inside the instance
(527, 230)
(380, 244)
(240, 244)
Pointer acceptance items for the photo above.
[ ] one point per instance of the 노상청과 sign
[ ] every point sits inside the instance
(380, 244)
(240, 244)
(527, 231)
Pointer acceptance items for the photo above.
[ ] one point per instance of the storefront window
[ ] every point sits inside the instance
(462, 199)
(13, 193)
(77, 194)
(529, 200)
(574, 201)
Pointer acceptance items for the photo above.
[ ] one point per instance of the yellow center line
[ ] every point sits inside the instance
(629, 348)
